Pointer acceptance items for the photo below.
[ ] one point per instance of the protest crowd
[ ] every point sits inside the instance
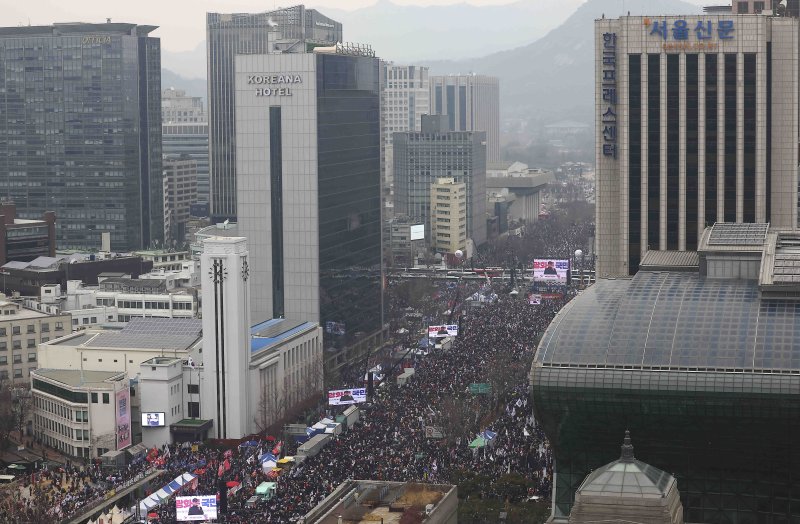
(495, 345)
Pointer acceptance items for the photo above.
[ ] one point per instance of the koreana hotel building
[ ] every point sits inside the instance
(696, 123)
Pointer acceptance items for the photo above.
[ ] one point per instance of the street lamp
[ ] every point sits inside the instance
(579, 256)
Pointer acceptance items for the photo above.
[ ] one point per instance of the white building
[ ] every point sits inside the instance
(77, 412)
(124, 349)
(119, 299)
(177, 107)
(405, 97)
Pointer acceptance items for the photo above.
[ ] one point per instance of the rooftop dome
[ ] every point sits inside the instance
(627, 490)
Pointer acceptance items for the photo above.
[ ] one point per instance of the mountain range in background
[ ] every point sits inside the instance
(552, 79)
(546, 80)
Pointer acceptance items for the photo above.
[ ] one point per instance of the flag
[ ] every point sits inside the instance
(227, 465)
(220, 470)
(277, 449)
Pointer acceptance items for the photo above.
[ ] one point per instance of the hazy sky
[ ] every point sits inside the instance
(182, 22)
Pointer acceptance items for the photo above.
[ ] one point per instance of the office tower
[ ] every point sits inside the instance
(405, 95)
(448, 216)
(180, 192)
(308, 180)
(471, 103)
(696, 123)
(290, 30)
(80, 130)
(421, 158)
(177, 107)
(189, 139)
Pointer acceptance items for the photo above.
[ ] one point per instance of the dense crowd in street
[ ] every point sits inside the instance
(389, 442)
(495, 345)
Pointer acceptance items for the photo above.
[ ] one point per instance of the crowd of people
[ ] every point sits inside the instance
(389, 442)
(495, 346)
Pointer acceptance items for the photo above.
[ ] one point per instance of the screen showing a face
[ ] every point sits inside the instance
(152, 419)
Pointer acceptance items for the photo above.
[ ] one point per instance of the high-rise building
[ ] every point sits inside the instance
(290, 30)
(180, 192)
(448, 216)
(471, 103)
(190, 139)
(309, 201)
(421, 158)
(405, 95)
(696, 123)
(177, 107)
(80, 130)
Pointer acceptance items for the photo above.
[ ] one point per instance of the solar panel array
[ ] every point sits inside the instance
(735, 234)
(153, 333)
(282, 326)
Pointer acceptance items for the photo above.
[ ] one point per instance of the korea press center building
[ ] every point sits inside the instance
(696, 123)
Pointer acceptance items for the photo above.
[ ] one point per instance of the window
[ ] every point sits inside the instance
(3, 359)
(44, 339)
(94, 320)
(193, 388)
(194, 409)
(742, 7)
(4, 346)
(59, 326)
(15, 330)
(31, 357)
(17, 373)
(105, 398)
(45, 327)
(94, 398)
(74, 321)
(2, 332)
(85, 320)
(31, 329)
(31, 342)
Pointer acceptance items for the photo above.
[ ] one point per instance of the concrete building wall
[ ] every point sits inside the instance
(673, 166)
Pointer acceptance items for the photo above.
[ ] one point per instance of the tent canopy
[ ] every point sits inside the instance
(479, 442)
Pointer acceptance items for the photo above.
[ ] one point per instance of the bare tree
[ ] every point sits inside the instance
(7, 417)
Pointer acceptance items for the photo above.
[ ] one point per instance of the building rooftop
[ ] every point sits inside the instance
(169, 334)
(66, 29)
(370, 501)
(627, 477)
(271, 332)
(670, 260)
(76, 378)
(675, 320)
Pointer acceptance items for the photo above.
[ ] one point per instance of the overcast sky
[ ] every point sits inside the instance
(182, 22)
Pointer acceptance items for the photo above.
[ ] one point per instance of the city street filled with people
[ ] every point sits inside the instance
(495, 345)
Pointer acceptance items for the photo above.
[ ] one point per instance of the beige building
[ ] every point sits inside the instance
(75, 411)
(696, 122)
(21, 331)
(448, 215)
(180, 192)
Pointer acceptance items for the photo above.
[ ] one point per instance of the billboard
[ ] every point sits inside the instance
(153, 420)
(449, 330)
(534, 299)
(198, 507)
(123, 407)
(417, 232)
(343, 397)
(550, 270)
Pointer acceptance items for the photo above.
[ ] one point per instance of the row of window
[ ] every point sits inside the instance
(17, 344)
(17, 358)
(65, 412)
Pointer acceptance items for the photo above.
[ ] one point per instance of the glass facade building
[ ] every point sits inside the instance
(309, 190)
(80, 130)
(191, 139)
(290, 30)
(704, 371)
